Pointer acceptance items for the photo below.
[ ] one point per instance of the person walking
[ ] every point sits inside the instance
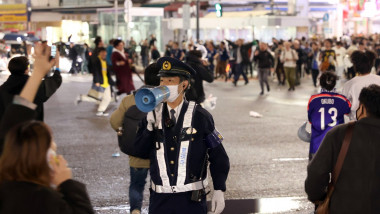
(340, 52)
(327, 57)
(102, 82)
(289, 57)
(278, 64)
(222, 61)
(265, 62)
(356, 189)
(73, 55)
(300, 61)
(122, 68)
(196, 92)
(176, 52)
(139, 167)
(179, 161)
(239, 51)
(144, 53)
(314, 55)
(326, 110)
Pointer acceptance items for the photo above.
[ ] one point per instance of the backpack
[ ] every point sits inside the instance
(131, 120)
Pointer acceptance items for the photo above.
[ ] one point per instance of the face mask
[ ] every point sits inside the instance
(173, 92)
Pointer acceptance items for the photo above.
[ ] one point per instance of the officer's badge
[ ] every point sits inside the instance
(166, 66)
(191, 131)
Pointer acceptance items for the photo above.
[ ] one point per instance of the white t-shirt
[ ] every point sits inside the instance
(352, 89)
(340, 53)
(291, 54)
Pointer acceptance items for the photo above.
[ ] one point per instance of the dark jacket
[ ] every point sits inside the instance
(15, 83)
(30, 198)
(196, 92)
(243, 51)
(358, 188)
(265, 59)
(97, 72)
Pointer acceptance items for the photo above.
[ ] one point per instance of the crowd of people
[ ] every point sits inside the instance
(178, 139)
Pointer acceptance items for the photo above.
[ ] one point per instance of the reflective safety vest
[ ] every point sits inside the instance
(181, 169)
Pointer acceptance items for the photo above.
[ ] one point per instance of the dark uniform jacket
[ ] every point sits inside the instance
(265, 59)
(358, 186)
(196, 92)
(15, 83)
(199, 145)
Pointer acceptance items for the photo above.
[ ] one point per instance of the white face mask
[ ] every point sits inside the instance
(173, 93)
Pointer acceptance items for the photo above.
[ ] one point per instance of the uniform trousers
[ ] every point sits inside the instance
(175, 203)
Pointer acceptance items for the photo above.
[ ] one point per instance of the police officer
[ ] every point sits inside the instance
(181, 139)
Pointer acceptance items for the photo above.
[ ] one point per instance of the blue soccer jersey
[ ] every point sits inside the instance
(325, 110)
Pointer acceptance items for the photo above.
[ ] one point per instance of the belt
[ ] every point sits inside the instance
(182, 188)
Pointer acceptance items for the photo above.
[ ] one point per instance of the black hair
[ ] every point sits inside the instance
(111, 41)
(195, 53)
(328, 80)
(339, 43)
(98, 39)
(363, 61)
(18, 65)
(330, 41)
(361, 43)
(116, 42)
(354, 42)
(150, 75)
(101, 49)
(280, 43)
(370, 98)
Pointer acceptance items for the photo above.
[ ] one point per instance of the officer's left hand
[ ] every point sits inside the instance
(217, 202)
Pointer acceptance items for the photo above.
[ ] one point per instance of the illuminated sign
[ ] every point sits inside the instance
(13, 13)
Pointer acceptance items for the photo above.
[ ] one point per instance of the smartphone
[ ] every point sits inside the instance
(53, 51)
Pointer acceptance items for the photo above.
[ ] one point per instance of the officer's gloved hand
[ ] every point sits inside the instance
(154, 119)
(151, 121)
(217, 202)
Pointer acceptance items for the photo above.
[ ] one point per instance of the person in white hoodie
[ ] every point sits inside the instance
(340, 52)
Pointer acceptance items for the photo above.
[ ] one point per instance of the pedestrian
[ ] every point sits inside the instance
(86, 58)
(222, 61)
(314, 55)
(33, 179)
(363, 63)
(109, 50)
(327, 57)
(340, 52)
(356, 189)
(19, 69)
(211, 52)
(278, 64)
(203, 73)
(350, 70)
(325, 110)
(102, 82)
(239, 51)
(265, 62)
(289, 57)
(138, 166)
(177, 53)
(179, 168)
(95, 53)
(122, 68)
(152, 40)
(300, 61)
(144, 53)
(154, 53)
(73, 55)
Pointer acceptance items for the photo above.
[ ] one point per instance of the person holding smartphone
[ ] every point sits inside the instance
(19, 68)
(33, 179)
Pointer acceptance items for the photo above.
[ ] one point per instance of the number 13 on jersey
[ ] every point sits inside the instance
(333, 113)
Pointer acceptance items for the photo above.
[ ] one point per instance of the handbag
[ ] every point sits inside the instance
(96, 92)
(323, 207)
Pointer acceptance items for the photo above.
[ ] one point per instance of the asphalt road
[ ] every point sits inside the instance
(268, 161)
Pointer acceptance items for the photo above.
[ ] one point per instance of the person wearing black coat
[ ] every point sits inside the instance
(23, 192)
(196, 92)
(240, 54)
(18, 66)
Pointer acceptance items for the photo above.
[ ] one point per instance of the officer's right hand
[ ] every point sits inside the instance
(151, 121)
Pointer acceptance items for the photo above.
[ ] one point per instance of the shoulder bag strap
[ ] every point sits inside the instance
(343, 152)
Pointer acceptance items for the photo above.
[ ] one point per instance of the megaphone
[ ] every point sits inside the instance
(148, 98)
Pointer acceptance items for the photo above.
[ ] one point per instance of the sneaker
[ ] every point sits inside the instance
(261, 93)
(136, 212)
(246, 83)
(235, 83)
(268, 88)
(101, 114)
(78, 100)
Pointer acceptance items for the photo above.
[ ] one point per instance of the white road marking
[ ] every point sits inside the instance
(289, 159)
